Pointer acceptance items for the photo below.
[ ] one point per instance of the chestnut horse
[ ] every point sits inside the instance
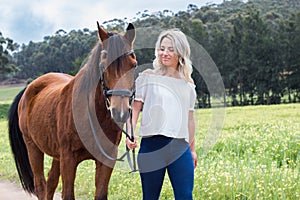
(73, 119)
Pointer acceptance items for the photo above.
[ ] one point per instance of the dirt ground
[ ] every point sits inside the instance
(12, 82)
(10, 191)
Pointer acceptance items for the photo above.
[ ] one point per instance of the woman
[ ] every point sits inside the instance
(167, 96)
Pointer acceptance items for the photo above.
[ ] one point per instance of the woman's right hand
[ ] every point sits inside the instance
(131, 145)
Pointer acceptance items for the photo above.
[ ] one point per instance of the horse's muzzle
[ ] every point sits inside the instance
(120, 116)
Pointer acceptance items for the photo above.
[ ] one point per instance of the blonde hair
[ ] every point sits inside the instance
(182, 49)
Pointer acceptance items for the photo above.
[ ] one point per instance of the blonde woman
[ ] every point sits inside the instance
(167, 96)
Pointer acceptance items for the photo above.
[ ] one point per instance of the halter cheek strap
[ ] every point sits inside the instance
(122, 93)
(115, 92)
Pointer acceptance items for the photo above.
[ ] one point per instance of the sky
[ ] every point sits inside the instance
(32, 20)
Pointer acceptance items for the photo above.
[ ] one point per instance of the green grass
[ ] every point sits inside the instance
(256, 157)
(9, 93)
(3, 110)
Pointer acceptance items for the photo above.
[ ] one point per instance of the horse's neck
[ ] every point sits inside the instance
(100, 101)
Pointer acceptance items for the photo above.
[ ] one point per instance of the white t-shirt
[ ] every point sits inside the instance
(167, 102)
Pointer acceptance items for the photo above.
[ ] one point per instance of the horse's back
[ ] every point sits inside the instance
(44, 88)
(38, 108)
(50, 81)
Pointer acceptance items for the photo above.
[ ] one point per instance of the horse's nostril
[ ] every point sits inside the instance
(126, 115)
(119, 116)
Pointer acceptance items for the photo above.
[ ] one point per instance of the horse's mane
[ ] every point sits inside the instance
(115, 49)
(93, 60)
(87, 78)
(86, 105)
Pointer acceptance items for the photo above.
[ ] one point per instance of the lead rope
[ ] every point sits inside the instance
(132, 162)
(94, 132)
(134, 169)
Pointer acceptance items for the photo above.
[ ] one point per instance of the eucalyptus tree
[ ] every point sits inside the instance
(7, 46)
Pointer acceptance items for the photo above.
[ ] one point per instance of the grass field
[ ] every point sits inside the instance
(256, 157)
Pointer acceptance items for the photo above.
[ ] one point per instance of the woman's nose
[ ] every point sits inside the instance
(165, 52)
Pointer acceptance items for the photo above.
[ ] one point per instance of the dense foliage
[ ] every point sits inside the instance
(6, 65)
(59, 53)
(255, 45)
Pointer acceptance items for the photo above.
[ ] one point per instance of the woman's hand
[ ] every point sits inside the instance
(194, 156)
(131, 145)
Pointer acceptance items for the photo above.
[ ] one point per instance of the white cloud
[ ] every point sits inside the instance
(26, 20)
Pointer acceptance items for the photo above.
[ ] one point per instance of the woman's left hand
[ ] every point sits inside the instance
(195, 159)
(131, 145)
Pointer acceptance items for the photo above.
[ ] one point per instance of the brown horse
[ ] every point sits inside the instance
(73, 119)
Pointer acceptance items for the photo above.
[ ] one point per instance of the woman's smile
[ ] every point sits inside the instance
(167, 54)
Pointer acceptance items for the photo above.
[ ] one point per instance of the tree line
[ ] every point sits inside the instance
(255, 45)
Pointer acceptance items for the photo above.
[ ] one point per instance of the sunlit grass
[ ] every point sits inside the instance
(255, 157)
(9, 93)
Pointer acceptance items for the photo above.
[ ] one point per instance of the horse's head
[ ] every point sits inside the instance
(117, 66)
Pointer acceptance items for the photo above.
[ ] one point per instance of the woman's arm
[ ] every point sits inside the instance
(136, 109)
(191, 127)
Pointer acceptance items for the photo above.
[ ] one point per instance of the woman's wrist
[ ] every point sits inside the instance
(192, 146)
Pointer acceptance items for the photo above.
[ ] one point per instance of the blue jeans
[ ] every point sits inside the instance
(159, 154)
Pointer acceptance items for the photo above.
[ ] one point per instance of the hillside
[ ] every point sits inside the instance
(254, 44)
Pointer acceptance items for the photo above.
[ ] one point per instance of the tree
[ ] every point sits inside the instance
(6, 46)
(292, 68)
(255, 45)
(59, 53)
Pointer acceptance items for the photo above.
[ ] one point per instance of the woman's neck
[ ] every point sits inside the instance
(169, 71)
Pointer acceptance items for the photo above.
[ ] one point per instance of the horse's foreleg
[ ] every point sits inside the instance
(102, 177)
(53, 178)
(68, 167)
(36, 158)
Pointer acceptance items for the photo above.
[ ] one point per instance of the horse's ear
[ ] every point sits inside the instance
(130, 33)
(103, 35)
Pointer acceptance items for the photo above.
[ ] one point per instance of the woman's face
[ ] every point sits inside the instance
(167, 55)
